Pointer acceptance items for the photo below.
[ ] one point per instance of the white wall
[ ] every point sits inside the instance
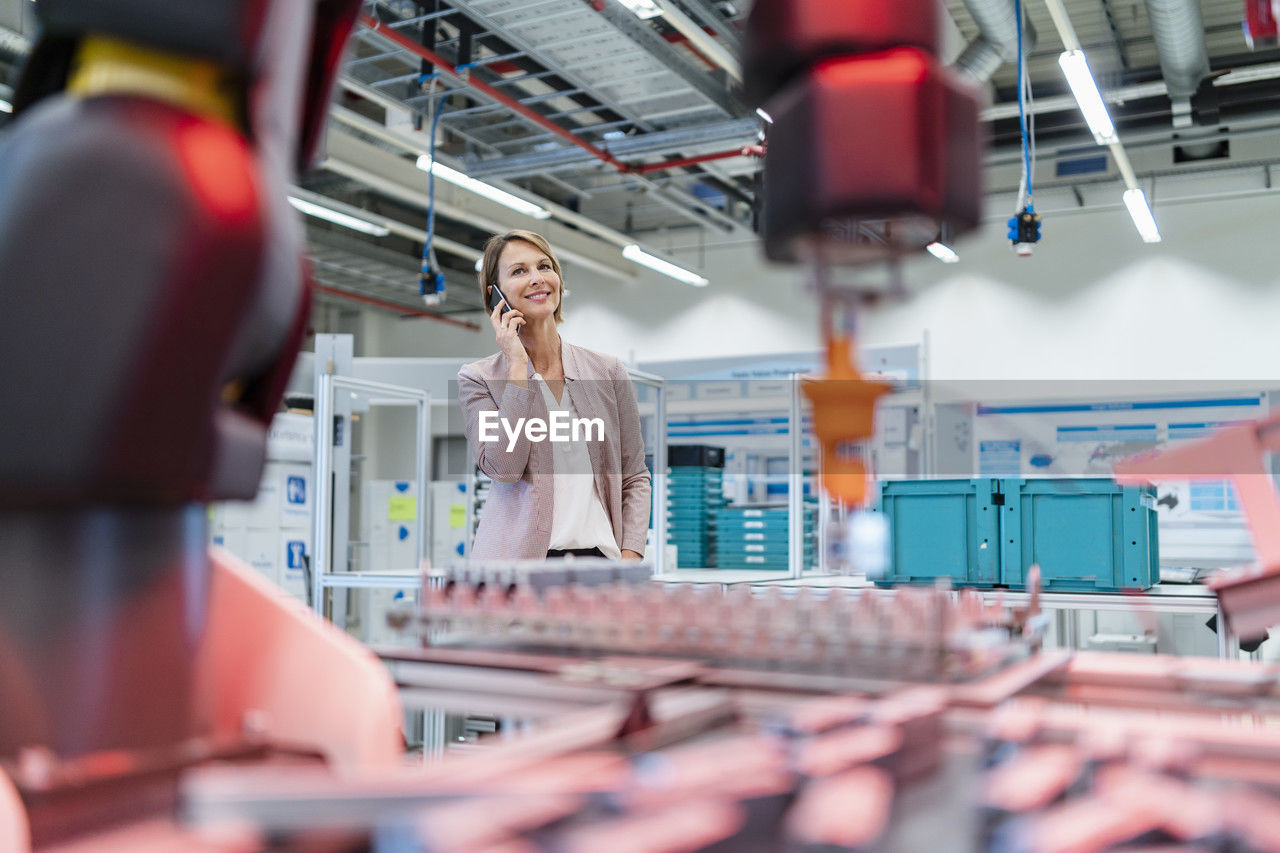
(1093, 302)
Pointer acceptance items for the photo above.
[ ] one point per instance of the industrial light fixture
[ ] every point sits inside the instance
(5, 107)
(943, 252)
(337, 217)
(634, 253)
(1085, 88)
(764, 115)
(643, 9)
(480, 188)
(1140, 212)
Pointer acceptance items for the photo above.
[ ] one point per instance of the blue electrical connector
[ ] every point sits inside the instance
(1024, 230)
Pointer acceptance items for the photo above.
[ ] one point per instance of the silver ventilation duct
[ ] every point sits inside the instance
(1184, 60)
(997, 41)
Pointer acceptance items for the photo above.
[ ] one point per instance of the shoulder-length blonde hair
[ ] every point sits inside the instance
(488, 274)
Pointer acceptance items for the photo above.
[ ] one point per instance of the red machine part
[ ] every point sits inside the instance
(1260, 23)
(784, 37)
(888, 136)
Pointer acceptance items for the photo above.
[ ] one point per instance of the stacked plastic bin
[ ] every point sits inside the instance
(1084, 534)
(695, 491)
(756, 537)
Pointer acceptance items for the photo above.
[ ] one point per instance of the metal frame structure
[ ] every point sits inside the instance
(659, 484)
(330, 411)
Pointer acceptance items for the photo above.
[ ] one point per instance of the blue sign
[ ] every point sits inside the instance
(296, 490)
(297, 553)
(403, 533)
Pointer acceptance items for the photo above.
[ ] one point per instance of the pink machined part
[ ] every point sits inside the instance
(686, 827)
(917, 713)
(1103, 744)
(1160, 672)
(485, 822)
(1255, 819)
(1183, 812)
(1091, 825)
(1250, 597)
(15, 835)
(844, 749)
(582, 773)
(821, 715)
(1032, 779)
(739, 768)
(849, 811)
(1165, 755)
(1019, 721)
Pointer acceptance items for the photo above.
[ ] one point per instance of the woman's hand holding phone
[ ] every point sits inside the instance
(506, 323)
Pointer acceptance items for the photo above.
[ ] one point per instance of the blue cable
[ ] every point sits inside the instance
(1022, 115)
(431, 199)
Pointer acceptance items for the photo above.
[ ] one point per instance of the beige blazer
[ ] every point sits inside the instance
(516, 521)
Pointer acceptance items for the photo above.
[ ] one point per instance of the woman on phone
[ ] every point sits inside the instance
(587, 495)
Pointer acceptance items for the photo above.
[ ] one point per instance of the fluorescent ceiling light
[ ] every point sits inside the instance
(1140, 212)
(5, 107)
(1085, 88)
(764, 115)
(943, 252)
(643, 9)
(337, 217)
(480, 188)
(634, 253)
(479, 264)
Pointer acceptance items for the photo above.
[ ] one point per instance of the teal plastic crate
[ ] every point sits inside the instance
(942, 528)
(1086, 534)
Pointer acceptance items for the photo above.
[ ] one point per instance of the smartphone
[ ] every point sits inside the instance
(506, 303)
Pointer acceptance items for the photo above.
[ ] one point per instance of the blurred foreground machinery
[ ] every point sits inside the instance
(154, 300)
(681, 719)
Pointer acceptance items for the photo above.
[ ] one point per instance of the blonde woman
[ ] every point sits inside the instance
(586, 495)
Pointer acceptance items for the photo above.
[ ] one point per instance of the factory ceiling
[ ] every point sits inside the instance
(623, 126)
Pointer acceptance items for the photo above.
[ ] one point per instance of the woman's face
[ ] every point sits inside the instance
(528, 280)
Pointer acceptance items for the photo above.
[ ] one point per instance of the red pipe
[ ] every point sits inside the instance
(506, 100)
(744, 151)
(392, 306)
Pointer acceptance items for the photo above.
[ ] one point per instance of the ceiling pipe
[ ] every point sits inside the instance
(386, 31)
(1137, 91)
(392, 306)
(997, 41)
(1178, 28)
(442, 64)
(744, 151)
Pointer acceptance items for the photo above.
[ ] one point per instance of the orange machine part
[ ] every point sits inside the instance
(844, 405)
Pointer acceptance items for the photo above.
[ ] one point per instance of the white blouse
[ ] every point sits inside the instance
(578, 517)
